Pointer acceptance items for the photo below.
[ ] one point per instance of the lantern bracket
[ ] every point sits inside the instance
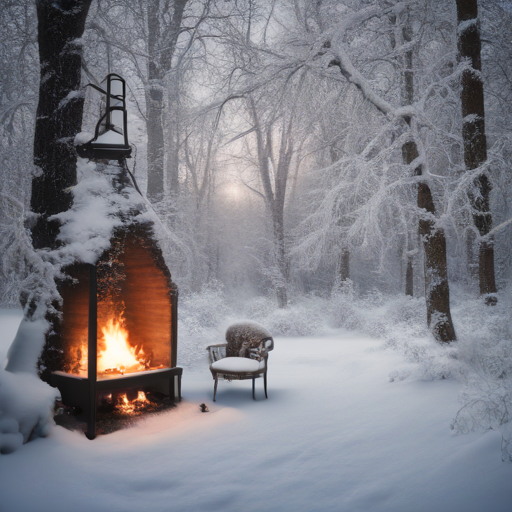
(110, 141)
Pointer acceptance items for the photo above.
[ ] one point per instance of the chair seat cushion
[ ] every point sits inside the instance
(238, 364)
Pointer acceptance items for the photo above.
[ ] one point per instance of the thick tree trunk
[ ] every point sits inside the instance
(437, 291)
(155, 105)
(155, 131)
(409, 153)
(59, 112)
(473, 134)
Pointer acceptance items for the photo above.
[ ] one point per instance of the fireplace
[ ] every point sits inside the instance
(117, 335)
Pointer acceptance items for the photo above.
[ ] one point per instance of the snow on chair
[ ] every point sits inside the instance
(243, 357)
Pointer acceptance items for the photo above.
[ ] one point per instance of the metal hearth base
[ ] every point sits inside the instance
(79, 392)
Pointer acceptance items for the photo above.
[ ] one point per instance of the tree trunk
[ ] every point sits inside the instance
(281, 256)
(155, 105)
(59, 112)
(437, 291)
(155, 131)
(344, 265)
(409, 151)
(409, 277)
(473, 135)
(274, 193)
(161, 47)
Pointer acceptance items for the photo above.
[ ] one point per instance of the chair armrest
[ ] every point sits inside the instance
(259, 353)
(216, 352)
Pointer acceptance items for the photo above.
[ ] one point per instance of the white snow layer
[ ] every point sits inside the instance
(88, 226)
(26, 348)
(464, 25)
(238, 364)
(26, 403)
(334, 435)
(26, 409)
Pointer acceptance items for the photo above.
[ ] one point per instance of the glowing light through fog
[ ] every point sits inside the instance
(233, 191)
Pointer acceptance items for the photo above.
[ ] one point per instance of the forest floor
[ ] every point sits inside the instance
(335, 434)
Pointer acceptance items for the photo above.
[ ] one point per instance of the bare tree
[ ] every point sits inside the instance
(274, 178)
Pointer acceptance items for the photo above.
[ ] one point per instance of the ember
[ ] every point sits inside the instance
(130, 407)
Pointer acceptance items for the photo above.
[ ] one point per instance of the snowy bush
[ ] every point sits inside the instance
(204, 310)
(26, 409)
(342, 309)
(203, 319)
(485, 349)
(303, 319)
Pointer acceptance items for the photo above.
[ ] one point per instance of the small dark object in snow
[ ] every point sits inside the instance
(204, 408)
(491, 300)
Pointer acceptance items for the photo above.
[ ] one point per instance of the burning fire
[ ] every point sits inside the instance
(119, 356)
(128, 406)
(121, 403)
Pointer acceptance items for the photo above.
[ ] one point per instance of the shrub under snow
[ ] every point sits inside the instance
(26, 409)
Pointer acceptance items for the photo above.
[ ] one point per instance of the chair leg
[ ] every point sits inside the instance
(265, 383)
(215, 387)
(253, 385)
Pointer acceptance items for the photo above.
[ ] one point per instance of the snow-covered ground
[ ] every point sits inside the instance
(334, 434)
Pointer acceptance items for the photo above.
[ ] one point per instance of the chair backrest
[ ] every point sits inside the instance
(244, 336)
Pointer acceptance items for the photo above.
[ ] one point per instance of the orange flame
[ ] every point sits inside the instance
(130, 407)
(118, 354)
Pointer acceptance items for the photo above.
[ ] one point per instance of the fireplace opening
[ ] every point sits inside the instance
(118, 332)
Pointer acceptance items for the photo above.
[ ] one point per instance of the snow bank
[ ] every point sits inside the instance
(484, 351)
(26, 409)
(26, 348)
(26, 403)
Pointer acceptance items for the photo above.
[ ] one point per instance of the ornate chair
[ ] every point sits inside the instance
(244, 356)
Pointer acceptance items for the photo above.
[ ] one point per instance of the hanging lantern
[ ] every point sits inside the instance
(110, 141)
